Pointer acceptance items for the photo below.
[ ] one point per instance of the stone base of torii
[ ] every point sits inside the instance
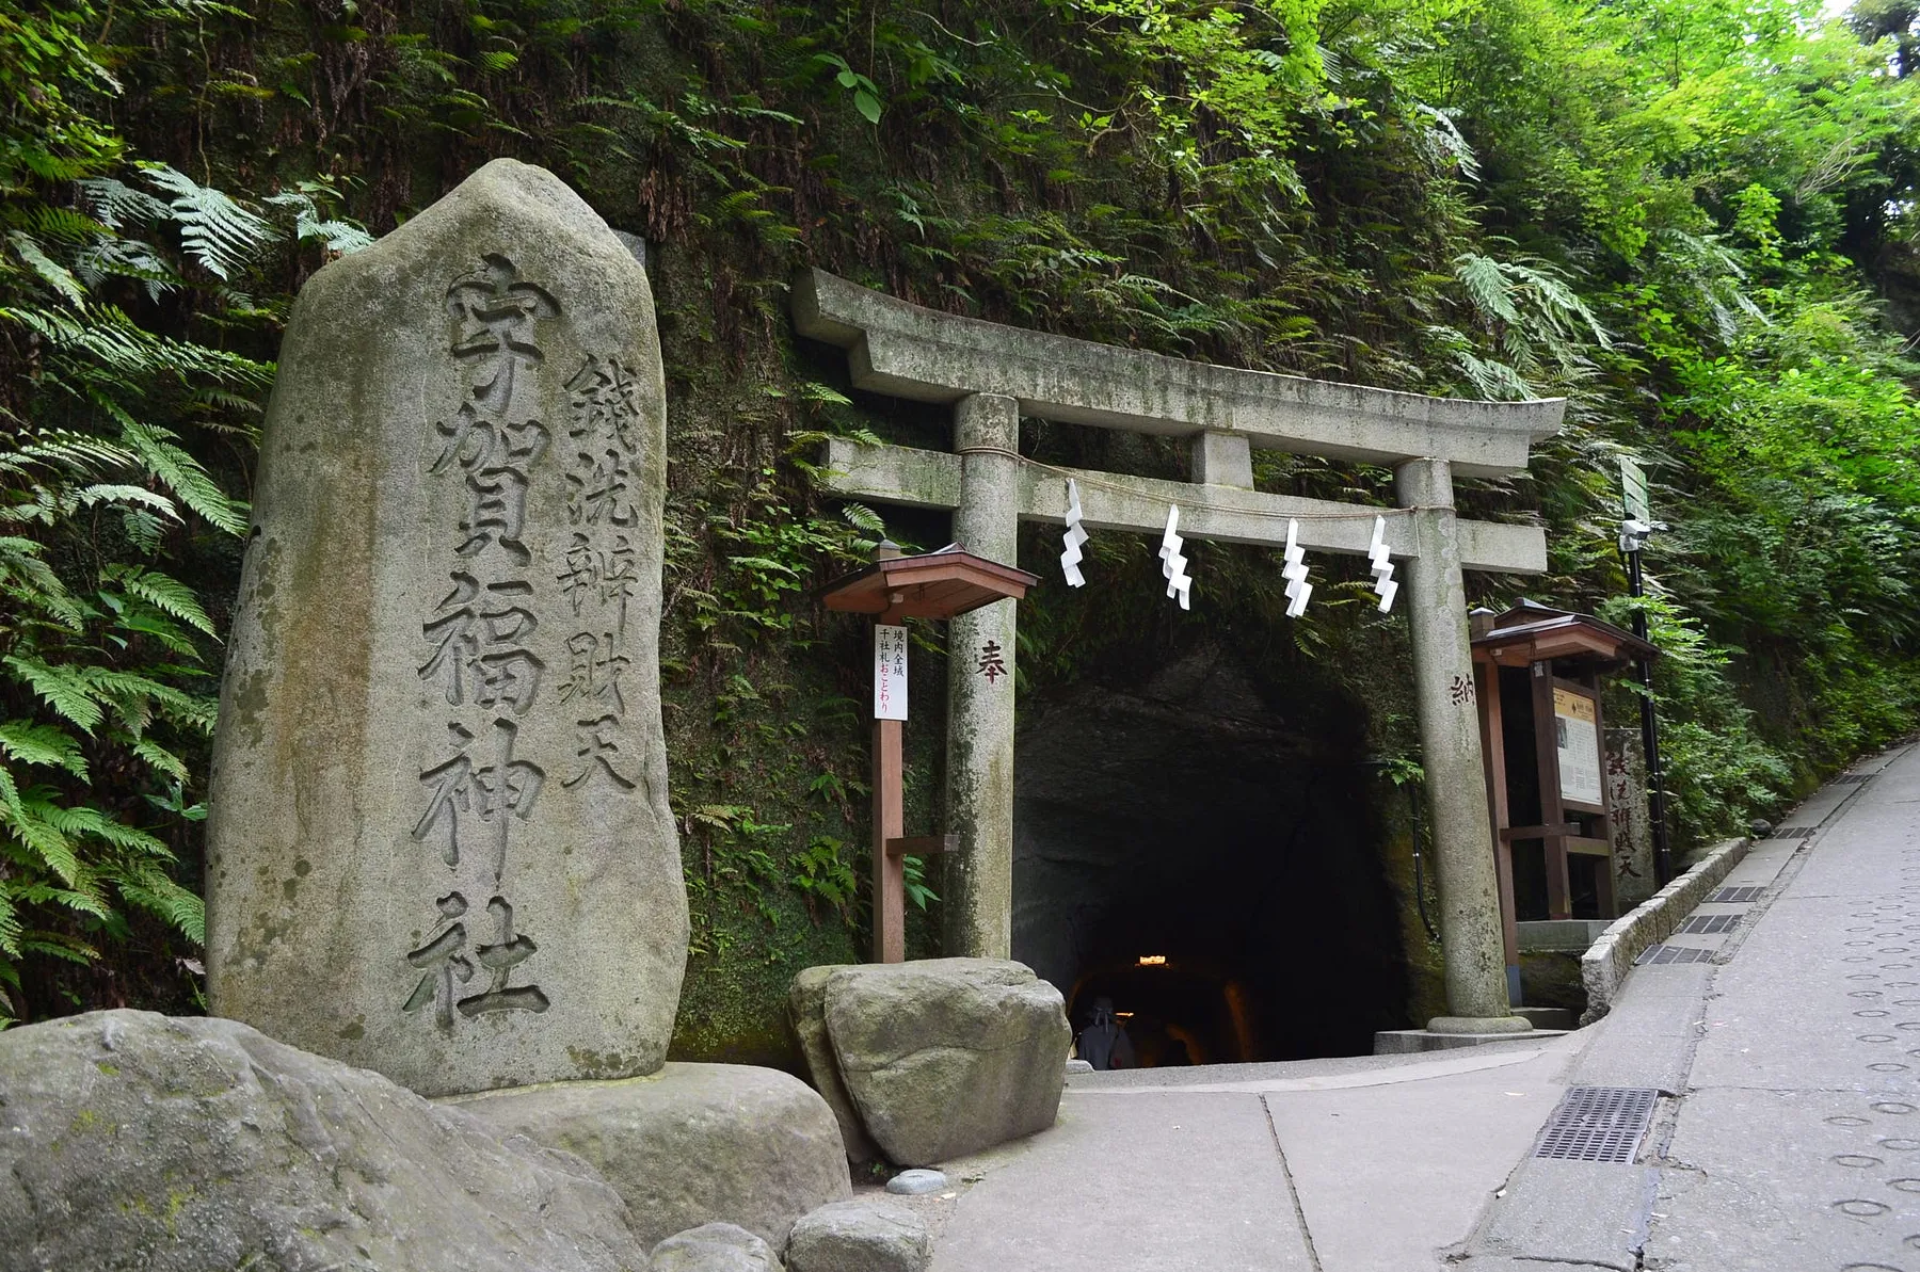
(993, 374)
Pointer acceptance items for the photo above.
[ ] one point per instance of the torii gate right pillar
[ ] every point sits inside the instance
(1470, 937)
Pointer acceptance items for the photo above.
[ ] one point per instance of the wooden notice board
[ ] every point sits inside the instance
(1540, 672)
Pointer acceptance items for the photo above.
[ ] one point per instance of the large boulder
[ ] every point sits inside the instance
(945, 1057)
(860, 1236)
(691, 1144)
(138, 1142)
(715, 1247)
(807, 1013)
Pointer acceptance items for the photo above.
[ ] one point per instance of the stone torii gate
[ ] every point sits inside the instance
(993, 374)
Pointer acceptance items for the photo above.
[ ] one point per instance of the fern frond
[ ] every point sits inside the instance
(47, 846)
(84, 819)
(62, 225)
(130, 692)
(97, 494)
(179, 470)
(149, 888)
(142, 620)
(861, 517)
(168, 594)
(160, 758)
(118, 343)
(59, 944)
(48, 270)
(65, 689)
(42, 744)
(78, 453)
(215, 231)
(125, 258)
(117, 205)
(338, 237)
(10, 930)
(1486, 285)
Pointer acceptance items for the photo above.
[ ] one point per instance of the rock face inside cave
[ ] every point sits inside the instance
(1233, 829)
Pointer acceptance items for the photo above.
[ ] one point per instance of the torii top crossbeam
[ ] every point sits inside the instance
(993, 374)
(907, 351)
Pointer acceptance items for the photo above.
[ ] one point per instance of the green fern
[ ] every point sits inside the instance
(216, 232)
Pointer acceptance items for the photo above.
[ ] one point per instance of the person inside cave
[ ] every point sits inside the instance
(1104, 1043)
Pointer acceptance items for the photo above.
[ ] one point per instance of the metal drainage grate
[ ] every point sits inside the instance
(1793, 832)
(1597, 1124)
(1660, 954)
(1849, 777)
(1708, 924)
(1736, 896)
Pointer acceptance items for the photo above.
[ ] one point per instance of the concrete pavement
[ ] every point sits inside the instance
(1314, 1165)
(1786, 1136)
(1797, 1143)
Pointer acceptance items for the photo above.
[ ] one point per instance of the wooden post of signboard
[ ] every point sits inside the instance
(1553, 815)
(889, 823)
(889, 779)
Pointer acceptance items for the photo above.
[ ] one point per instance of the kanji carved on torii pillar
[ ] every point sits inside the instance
(993, 374)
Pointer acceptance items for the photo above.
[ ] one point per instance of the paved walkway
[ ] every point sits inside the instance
(1256, 1168)
(1797, 1144)
(1787, 1136)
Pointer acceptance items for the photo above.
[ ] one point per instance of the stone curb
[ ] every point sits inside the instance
(1609, 959)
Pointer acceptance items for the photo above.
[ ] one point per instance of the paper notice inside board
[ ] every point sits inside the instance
(889, 672)
(1576, 730)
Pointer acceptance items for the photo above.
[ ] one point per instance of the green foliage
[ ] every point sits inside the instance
(105, 698)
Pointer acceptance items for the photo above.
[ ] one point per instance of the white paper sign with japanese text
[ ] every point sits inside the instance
(1577, 737)
(889, 672)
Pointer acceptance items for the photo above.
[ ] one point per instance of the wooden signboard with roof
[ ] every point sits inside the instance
(1539, 673)
(939, 584)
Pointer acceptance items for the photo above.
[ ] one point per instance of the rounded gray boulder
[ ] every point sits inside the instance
(860, 1236)
(947, 1056)
(715, 1247)
(134, 1142)
(691, 1144)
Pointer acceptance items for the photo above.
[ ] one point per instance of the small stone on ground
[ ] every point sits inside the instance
(911, 1183)
(860, 1236)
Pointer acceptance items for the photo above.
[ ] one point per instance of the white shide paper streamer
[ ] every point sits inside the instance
(1295, 572)
(1382, 567)
(1174, 565)
(1076, 535)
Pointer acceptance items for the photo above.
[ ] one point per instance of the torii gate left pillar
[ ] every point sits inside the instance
(978, 898)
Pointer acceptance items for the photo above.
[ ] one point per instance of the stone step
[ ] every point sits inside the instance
(1556, 1018)
(1396, 1042)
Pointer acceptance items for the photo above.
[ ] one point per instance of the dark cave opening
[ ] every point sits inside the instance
(1209, 857)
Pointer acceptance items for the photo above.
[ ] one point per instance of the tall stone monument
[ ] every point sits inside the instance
(439, 844)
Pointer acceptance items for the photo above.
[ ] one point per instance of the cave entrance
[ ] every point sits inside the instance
(1211, 862)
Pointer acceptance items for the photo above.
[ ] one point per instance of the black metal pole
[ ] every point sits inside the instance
(1650, 736)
